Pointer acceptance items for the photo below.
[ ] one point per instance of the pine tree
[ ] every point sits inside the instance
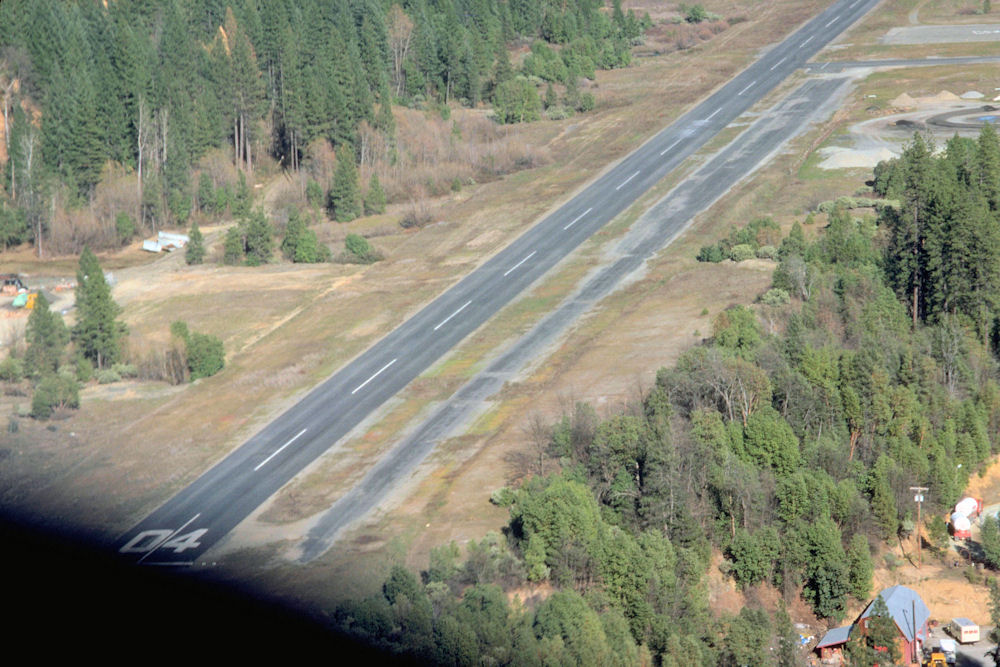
(194, 253)
(97, 334)
(345, 196)
(46, 337)
(258, 235)
(375, 197)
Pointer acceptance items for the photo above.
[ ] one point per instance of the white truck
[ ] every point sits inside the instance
(964, 630)
(949, 649)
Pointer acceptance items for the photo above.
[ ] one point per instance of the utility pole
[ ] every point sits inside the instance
(919, 499)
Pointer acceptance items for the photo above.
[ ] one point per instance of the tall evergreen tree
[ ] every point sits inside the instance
(375, 197)
(46, 336)
(194, 253)
(97, 333)
(345, 194)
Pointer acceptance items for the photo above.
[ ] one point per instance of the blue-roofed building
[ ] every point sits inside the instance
(831, 646)
(909, 613)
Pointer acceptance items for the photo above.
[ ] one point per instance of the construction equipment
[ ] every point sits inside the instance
(936, 659)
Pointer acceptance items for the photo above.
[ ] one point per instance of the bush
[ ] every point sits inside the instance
(124, 227)
(108, 376)
(126, 370)
(11, 369)
(314, 194)
(775, 297)
(711, 253)
(767, 252)
(52, 392)
(742, 252)
(205, 355)
(358, 250)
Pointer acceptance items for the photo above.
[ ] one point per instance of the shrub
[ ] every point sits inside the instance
(126, 370)
(357, 249)
(767, 252)
(775, 297)
(52, 392)
(11, 369)
(124, 227)
(205, 355)
(711, 253)
(742, 252)
(314, 194)
(108, 376)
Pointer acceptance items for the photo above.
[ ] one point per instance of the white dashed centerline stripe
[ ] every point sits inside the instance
(713, 114)
(445, 320)
(577, 218)
(749, 86)
(808, 39)
(854, 3)
(775, 66)
(832, 21)
(278, 451)
(377, 373)
(669, 147)
(170, 536)
(513, 267)
(622, 184)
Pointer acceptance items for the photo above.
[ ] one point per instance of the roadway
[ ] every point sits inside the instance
(195, 519)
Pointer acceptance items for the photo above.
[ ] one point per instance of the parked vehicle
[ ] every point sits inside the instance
(964, 630)
(948, 647)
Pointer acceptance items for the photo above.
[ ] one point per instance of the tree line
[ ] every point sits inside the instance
(787, 441)
(152, 86)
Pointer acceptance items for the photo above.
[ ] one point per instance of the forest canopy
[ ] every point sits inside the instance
(149, 87)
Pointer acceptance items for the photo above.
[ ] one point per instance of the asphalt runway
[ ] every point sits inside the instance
(180, 531)
(664, 222)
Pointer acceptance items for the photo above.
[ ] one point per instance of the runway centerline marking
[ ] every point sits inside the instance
(577, 218)
(278, 451)
(778, 63)
(445, 320)
(669, 147)
(808, 39)
(170, 537)
(832, 21)
(377, 373)
(511, 269)
(622, 184)
(749, 86)
(712, 115)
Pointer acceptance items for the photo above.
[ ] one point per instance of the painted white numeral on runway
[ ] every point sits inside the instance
(808, 39)
(777, 63)
(145, 541)
(515, 266)
(278, 451)
(669, 147)
(182, 543)
(832, 21)
(622, 184)
(171, 538)
(747, 88)
(377, 373)
(445, 320)
(575, 220)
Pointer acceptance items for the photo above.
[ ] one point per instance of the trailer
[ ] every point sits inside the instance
(964, 630)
